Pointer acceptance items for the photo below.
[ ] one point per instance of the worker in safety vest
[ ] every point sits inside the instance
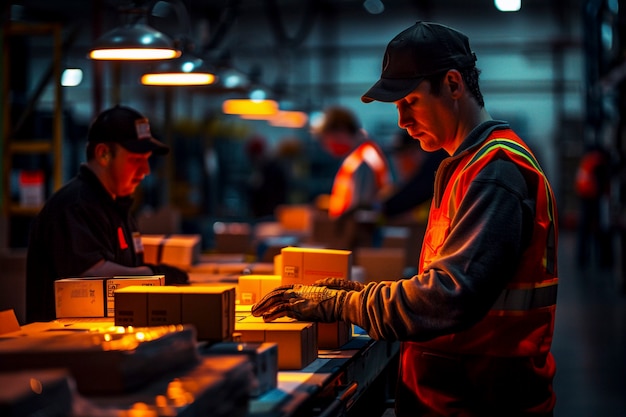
(361, 181)
(476, 322)
(364, 172)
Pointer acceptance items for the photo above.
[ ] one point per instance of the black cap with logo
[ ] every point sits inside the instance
(422, 50)
(127, 127)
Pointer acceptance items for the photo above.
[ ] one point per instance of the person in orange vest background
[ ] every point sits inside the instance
(592, 185)
(476, 322)
(364, 175)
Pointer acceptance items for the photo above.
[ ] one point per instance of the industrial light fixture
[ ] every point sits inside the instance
(250, 107)
(138, 39)
(134, 42)
(185, 70)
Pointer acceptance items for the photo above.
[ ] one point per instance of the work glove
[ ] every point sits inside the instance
(339, 284)
(301, 302)
(173, 275)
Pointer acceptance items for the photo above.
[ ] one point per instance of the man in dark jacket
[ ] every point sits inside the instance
(86, 227)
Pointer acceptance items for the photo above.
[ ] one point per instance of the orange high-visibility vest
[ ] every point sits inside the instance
(342, 194)
(521, 322)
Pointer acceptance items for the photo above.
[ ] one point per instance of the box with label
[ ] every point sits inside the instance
(94, 296)
(211, 309)
(264, 359)
(307, 265)
(178, 250)
(296, 340)
(251, 288)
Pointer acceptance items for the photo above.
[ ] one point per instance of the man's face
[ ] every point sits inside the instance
(127, 170)
(428, 118)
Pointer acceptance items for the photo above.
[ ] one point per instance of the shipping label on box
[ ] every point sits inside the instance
(177, 250)
(75, 297)
(94, 296)
(307, 265)
(118, 282)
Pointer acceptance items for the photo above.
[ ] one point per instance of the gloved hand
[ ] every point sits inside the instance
(301, 302)
(339, 284)
(173, 275)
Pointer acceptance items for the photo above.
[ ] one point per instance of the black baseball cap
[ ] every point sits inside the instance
(127, 127)
(417, 52)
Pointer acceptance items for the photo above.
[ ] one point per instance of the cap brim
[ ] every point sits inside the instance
(389, 90)
(146, 145)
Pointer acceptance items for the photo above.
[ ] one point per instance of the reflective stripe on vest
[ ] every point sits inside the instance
(516, 148)
(343, 186)
(524, 299)
(544, 294)
(512, 146)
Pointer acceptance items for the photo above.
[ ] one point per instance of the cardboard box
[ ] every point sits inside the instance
(307, 265)
(8, 322)
(381, 264)
(264, 359)
(333, 335)
(177, 250)
(211, 309)
(295, 217)
(232, 237)
(251, 288)
(94, 296)
(296, 340)
(104, 362)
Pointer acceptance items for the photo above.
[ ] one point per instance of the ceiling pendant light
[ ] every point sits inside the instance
(134, 42)
(185, 70)
(250, 107)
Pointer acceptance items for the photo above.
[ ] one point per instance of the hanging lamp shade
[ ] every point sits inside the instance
(134, 42)
(185, 70)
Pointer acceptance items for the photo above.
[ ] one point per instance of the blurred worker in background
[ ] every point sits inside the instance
(592, 185)
(476, 322)
(267, 185)
(86, 228)
(363, 177)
